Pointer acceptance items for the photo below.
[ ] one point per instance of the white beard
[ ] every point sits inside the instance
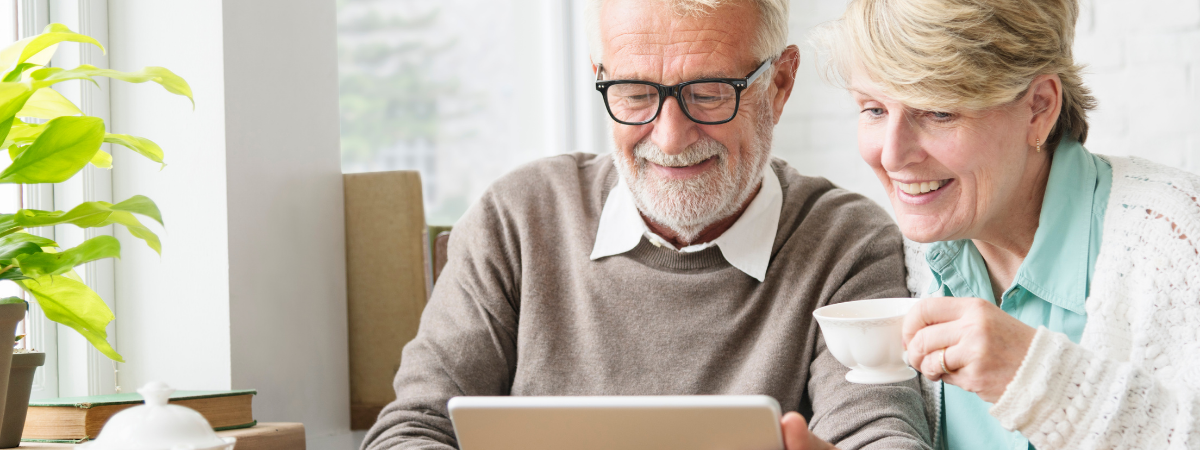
(689, 206)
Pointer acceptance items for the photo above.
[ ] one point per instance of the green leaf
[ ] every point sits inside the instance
(25, 49)
(13, 274)
(15, 74)
(12, 69)
(73, 275)
(8, 224)
(5, 128)
(91, 215)
(75, 305)
(21, 134)
(13, 97)
(48, 76)
(40, 59)
(64, 147)
(137, 230)
(169, 81)
(48, 104)
(141, 145)
(40, 264)
(86, 215)
(140, 204)
(102, 160)
(8, 251)
(27, 237)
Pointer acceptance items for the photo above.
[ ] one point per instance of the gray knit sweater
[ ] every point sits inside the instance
(520, 309)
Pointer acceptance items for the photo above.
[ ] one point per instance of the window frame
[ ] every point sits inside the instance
(73, 367)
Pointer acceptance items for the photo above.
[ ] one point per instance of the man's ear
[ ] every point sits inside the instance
(784, 79)
(1045, 102)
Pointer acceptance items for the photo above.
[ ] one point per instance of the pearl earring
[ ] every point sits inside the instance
(1039, 145)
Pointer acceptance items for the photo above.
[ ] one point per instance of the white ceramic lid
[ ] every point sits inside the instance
(158, 425)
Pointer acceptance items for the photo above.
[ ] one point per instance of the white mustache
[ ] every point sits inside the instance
(692, 155)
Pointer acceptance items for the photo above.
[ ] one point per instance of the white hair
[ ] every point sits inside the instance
(772, 26)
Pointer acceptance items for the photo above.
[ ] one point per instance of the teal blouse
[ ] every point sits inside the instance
(1049, 289)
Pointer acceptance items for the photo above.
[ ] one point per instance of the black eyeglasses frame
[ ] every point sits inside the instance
(664, 92)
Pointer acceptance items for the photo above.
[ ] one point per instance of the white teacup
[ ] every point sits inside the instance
(866, 336)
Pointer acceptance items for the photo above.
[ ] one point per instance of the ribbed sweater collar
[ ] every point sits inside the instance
(665, 258)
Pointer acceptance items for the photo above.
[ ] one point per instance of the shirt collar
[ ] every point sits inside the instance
(1055, 269)
(746, 245)
(1057, 264)
(959, 267)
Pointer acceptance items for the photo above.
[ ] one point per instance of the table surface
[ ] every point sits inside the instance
(264, 436)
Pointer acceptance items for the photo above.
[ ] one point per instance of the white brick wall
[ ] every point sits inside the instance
(1143, 57)
(1143, 65)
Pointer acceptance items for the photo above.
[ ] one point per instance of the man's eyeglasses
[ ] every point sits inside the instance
(709, 101)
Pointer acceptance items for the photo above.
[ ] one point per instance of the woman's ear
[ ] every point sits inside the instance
(1044, 99)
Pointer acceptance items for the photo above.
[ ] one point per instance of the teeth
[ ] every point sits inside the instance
(677, 164)
(919, 188)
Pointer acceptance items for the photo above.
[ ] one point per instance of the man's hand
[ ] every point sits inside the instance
(797, 437)
(980, 344)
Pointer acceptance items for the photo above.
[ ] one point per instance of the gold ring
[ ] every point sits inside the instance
(943, 360)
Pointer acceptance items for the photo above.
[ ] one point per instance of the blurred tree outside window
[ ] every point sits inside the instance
(462, 90)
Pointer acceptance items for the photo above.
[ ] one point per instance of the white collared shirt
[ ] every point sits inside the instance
(746, 245)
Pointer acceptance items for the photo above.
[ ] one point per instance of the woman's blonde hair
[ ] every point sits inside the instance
(972, 54)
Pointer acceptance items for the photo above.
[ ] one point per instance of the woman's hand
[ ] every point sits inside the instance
(983, 346)
(797, 437)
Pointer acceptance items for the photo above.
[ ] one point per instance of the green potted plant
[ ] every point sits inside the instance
(49, 140)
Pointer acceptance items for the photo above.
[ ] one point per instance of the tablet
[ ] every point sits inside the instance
(701, 422)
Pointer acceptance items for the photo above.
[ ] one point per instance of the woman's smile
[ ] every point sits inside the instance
(915, 192)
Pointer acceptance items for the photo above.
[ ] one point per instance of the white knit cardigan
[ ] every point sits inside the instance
(1133, 381)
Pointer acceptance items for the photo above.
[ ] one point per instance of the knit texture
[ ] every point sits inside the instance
(520, 309)
(920, 279)
(1132, 380)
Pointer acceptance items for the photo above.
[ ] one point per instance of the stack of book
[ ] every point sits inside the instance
(78, 419)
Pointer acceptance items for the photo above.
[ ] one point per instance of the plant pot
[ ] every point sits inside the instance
(20, 384)
(10, 314)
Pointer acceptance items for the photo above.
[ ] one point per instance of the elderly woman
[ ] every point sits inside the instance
(1066, 285)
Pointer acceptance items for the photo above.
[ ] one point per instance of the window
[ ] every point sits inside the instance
(73, 367)
(10, 195)
(463, 91)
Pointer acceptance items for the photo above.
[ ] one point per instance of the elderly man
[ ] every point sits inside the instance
(687, 262)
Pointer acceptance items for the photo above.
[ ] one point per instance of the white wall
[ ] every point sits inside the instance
(173, 312)
(1144, 67)
(1143, 62)
(286, 229)
(250, 290)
